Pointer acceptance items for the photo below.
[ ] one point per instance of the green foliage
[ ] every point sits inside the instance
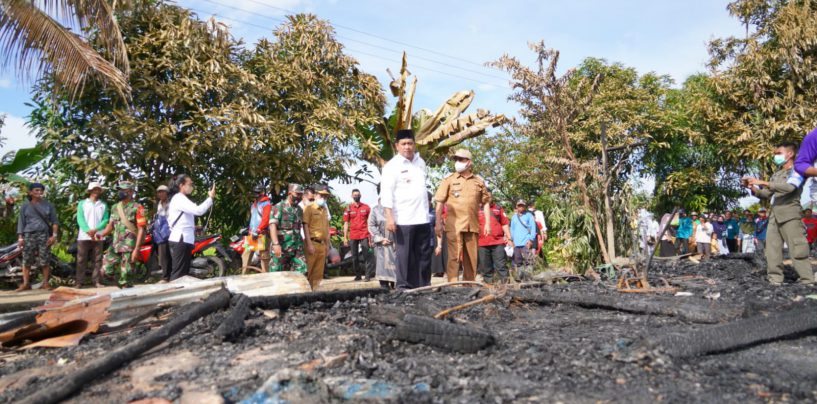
(283, 111)
(764, 85)
(19, 160)
(504, 159)
(575, 243)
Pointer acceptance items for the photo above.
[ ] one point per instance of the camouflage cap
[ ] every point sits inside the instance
(123, 185)
(295, 188)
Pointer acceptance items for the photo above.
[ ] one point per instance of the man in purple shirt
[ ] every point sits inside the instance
(806, 156)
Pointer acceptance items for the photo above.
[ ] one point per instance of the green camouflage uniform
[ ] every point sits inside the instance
(124, 241)
(288, 220)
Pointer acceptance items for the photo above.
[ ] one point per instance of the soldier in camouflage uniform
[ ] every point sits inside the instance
(285, 231)
(127, 223)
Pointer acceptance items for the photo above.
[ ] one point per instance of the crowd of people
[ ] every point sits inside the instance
(455, 232)
(788, 226)
(125, 222)
(705, 234)
(414, 233)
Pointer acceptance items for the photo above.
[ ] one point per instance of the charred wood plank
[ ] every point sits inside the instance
(233, 325)
(739, 334)
(297, 299)
(442, 334)
(708, 313)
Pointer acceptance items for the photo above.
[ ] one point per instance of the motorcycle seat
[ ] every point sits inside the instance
(7, 249)
(202, 238)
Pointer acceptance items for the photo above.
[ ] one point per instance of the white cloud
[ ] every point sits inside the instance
(5, 83)
(17, 135)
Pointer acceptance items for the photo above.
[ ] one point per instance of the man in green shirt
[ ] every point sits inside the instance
(92, 217)
(128, 227)
(286, 223)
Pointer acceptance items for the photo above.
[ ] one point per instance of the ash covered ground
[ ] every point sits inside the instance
(543, 353)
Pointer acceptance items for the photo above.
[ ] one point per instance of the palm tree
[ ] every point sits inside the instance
(32, 40)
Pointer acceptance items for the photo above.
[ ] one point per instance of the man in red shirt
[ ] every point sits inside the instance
(356, 236)
(811, 228)
(492, 247)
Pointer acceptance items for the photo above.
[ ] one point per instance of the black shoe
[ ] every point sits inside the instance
(358, 279)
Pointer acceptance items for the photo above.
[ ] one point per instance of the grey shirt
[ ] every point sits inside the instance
(31, 222)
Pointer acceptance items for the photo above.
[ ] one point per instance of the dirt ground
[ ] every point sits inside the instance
(543, 353)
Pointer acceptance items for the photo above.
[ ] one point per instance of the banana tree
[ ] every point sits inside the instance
(17, 161)
(435, 132)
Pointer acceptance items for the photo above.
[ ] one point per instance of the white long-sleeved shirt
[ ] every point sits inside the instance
(403, 190)
(183, 209)
(703, 234)
(94, 214)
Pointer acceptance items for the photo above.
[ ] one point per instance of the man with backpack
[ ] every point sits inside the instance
(127, 223)
(92, 217)
(37, 229)
(523, 233)
(258, 238)
(161, 232)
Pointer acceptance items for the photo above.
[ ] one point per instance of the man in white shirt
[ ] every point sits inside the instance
(182, 217)
(404, 198)
(92, 217)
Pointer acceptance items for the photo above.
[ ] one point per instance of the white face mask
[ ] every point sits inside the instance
(460, 166)
(320, 202)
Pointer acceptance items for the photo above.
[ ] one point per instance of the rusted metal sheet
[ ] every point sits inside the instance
(61, 326)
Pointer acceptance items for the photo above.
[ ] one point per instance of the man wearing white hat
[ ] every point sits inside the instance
(92, 217)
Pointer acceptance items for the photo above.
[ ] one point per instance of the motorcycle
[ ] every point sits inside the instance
(11, 267)
(333, 260)
(201, 266)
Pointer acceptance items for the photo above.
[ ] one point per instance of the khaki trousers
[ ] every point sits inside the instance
(794, 234)
(463, 248)
(315, 264)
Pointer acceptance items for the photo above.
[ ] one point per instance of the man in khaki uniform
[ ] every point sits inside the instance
(464, 193)
(784, 190)
(316, 230)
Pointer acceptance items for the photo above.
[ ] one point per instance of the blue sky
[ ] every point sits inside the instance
(450, 40)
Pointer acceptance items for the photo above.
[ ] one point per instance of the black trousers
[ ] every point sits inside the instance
(180, 255)
(732, 244)
(368, 263)
(681, 245)
(492, 262)
(413, 254)
(163, 259)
